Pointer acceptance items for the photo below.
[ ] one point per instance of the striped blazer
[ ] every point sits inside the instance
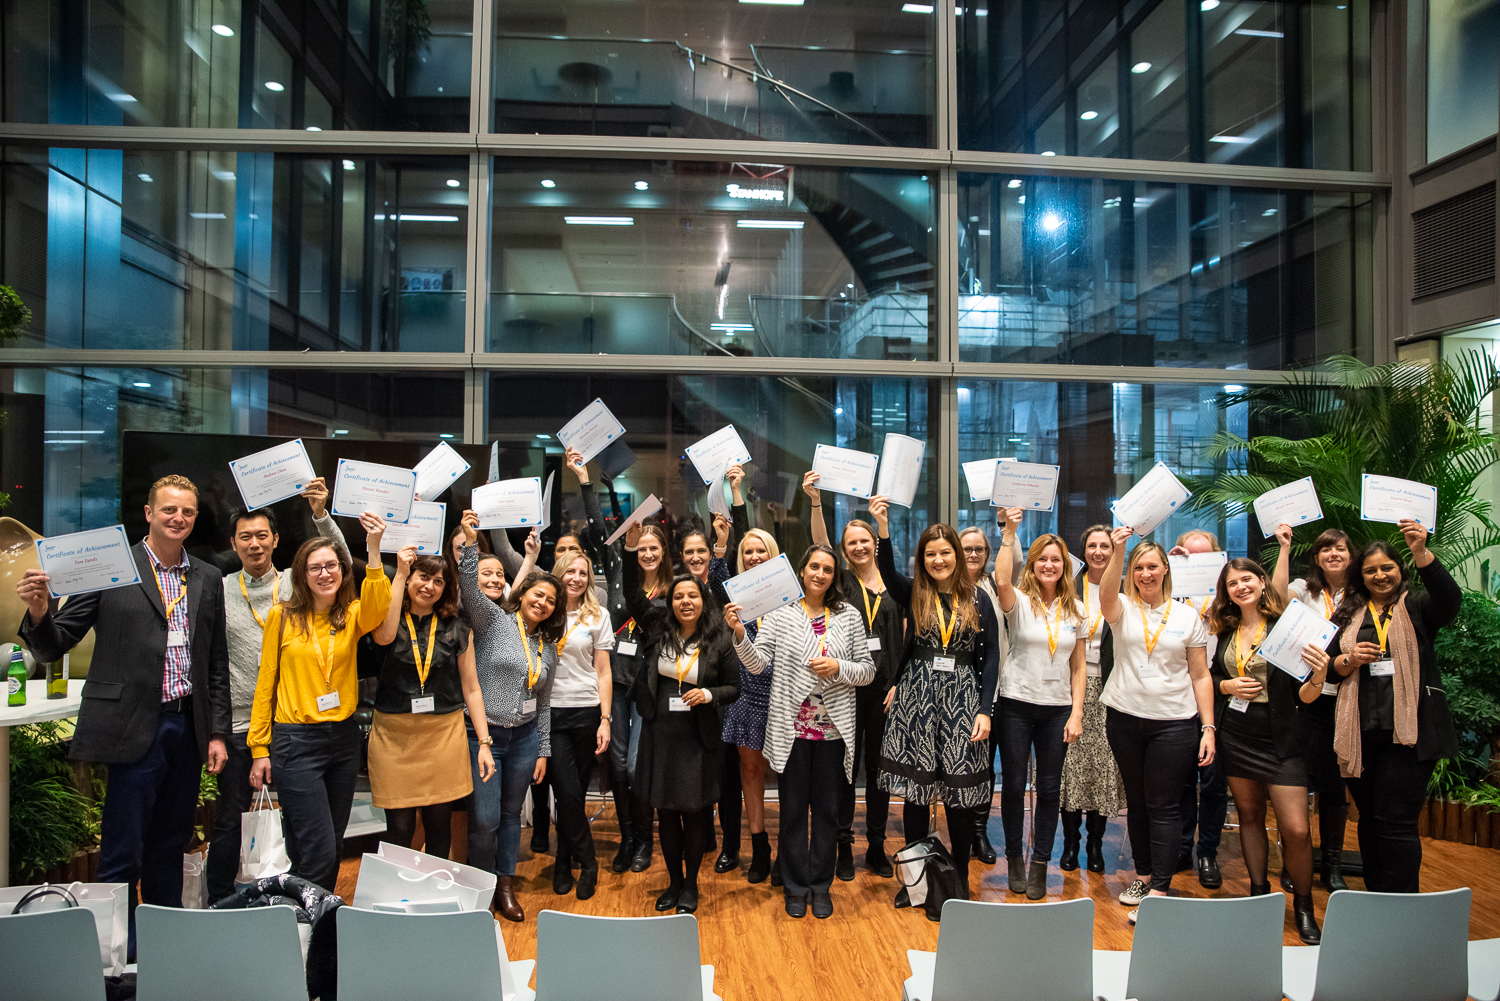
(786, 642)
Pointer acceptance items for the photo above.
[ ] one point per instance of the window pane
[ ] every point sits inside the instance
(637, 257)
(855, 72)
(151, 249)
(1134, 273)
(1463, 73)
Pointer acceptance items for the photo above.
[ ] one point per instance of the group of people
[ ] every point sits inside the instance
(492, 677)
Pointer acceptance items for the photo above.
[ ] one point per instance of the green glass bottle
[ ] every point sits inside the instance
(16, 678)
(57, 678)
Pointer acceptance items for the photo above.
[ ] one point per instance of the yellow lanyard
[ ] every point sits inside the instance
(1382, 632)
(325, 657)
(1328, 603)
(1146, 633)
(822, 640)
(533, 667)
(1241, 655)
(629, 626)
(172, 606)
(1051, 634)
(275, 596)
(424, 664)
(945, 628)
(683, 672)
(570, 632)
(870, 613)
(1098, 618)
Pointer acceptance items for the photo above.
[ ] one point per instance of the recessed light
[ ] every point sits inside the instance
(274, 87)
(314, 128)
(768, 223)
(141, 385)
(144, 177)
(1141, 67)
(408, 217)
(341, 431)
(641, 185)
(917, 8)
(838, 411)
(445, 436)
(452, 182)
(1014, 182)
(1048, 152)
(1089, 116)
(599, 220)
(348, 164)
(224, 29)
(206, 215)
(849, 285)
(1021, 200)
(549, 184)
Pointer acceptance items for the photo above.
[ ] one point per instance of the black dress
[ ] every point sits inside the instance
(1265, 742)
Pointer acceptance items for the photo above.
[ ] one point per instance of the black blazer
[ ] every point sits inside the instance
(1288, 725)
(122, 694)
(718, 671)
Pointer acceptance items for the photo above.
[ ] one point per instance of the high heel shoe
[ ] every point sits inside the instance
(1305, 920)
(506, 904)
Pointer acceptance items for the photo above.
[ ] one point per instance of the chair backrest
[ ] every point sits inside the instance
(640, 959)
(50, 956)
(388, 955)
(1225, 948)
(1395, 947)
(1045, 950)
(252, 954)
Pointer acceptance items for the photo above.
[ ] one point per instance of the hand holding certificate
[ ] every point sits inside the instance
(712, 456)
(900, 469)
(1390, 499)
(509, 503)
(369, 486)
(764, 588)
(1196, 575)
(646, 509)
(1297, 627)
(844, 470)
(272, 474)
(437, 471)
(1154, 499)
(980, 476)
(1029, 485)
(96, 560)
(424, 529)
(592, 431)
(1294, 504)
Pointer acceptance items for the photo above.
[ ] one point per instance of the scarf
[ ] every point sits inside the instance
(1406, 685)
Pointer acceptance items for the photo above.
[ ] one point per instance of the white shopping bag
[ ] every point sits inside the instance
(395, 874)
(194, 881)
(108, 902)
(262, 844)
(913, 873)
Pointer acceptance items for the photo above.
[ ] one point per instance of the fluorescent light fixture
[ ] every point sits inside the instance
(1014, 182)
(121, 98)
(141, 385)
(145, 177)
(1208, 4)
(544, 437)
(731, 326)
(1089, 116)
(314, 128)
(223, 175)
(446, 436)
(754, 194)
(427, 218)
(599, 220)
(341, 431)
(1231, 388)
(1258, 33)
(983, 232)
(274, 87)
(1269, 212)
(1049, 152)
(917, 8)
(778, 3)
(1141, 67)
(207, 215)
(1234, 140)
(224, 30)
(452, 182)
(549, 184)
(641, 185)
(768, 223)
(348, 164)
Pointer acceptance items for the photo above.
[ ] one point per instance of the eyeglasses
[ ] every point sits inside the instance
(976, 550)
(321, 569)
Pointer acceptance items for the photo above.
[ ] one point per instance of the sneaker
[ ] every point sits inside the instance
(1135, 893)
(1132, 915)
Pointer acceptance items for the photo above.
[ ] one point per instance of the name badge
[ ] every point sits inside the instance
(627, 648)
(327, 702)
(1095, 671)
(676, 705)
(529, 706)
(1383, 669)
(1148, 670)
(944, 664)
(1330, 689)
(872, 644)
(425, 704)
(176, 637)
(1239, 705)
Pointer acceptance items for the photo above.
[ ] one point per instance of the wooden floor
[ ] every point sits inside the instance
(760, 954)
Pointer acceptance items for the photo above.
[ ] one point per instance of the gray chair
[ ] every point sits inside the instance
(1484, 970)
(50, 956)
(639, 959)
(252, 954)
(1385, 947)
(1180, 951)
(385, 955)
(1043, 949)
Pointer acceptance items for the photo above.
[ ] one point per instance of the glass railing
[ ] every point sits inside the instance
(891, 325)
(644, 323)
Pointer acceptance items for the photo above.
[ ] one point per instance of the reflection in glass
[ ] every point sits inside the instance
(1463, 74)
(630, 257)
(1135, 273)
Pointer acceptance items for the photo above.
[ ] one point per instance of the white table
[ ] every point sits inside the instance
(38, 709)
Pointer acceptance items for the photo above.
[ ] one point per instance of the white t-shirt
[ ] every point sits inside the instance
(1093, 627)
(1298, 591)
(577, 684)
(1200, 607)
(1157, 686)
(1032, 672)
(666, 666)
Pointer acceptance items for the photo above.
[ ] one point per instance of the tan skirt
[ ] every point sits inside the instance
(418, 759)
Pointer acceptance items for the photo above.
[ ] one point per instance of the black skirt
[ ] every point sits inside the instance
(679, 773)
(1249, 752)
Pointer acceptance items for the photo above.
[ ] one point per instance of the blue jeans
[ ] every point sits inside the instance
(1023, 726)
(495, 820)
(624, 741)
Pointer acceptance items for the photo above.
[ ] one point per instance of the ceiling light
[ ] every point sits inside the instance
(1089, 116)
(1257, 33)
(224, 29)
(348, 164)
(1051, 221)
(144, 177)
(849, 285)
(121, 98)
(1048, 152)
(549, 184)
(779, 3)
(1269, 212)
(599, 220)
(274, 87)
(1141, 67)
(838, 411)
(341, 431)
(206, 215)
(446, 436)
(1014, 182)
(404, 217)
(641, 185)
(223, 175)
(1236, 140)
(141, 385)
(452, 182)
(731, 326)
(917, 8)
(1021, 200)
(544, 437)
(314, 128)
(1208, 4)
(768, 223)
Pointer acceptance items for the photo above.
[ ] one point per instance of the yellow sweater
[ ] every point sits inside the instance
(291, 694)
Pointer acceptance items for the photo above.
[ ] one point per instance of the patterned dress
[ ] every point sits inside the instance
(1090, 778)
(745, 718)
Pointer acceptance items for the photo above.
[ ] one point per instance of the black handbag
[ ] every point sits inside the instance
(925, 870)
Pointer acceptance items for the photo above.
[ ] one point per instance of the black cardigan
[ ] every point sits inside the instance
(1288, 726)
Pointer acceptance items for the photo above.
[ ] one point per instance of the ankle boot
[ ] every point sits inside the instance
(1331, 874)
(1097, 822)
(1259, 889)
(983, 850)
(1036, 880)
(1016, 866)
(506, 904)
(760, 857)
(1305, 920)
(877, 861)
(1072, 820)
(627, 847)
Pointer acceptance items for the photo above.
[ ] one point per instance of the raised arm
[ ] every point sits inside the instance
(1281, 574)
(511, 560)
(1439, 603)
(636, 601)
(1109, 585)
(897, 583)
(819, 526)
(385, 633)
(375, 591)
(1005, 560)
(483, 613)
(317, 500)
(47, 635)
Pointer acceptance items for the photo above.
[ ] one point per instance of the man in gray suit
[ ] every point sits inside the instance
(156, 702)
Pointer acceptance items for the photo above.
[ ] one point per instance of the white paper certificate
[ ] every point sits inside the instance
(1295, 503)
(713, 456)
(646, 509)
(437, 471)
(1196, 575)
(546, 521)
(1297, 627)
(494, 462)
(1389, 499)
(980, 476)
(1154, 498)
(424, 529)
(509, 503)
(1032, 485)
(844, 470)
(764, 588)
(900, 469)
(96, 560)
(370, 486)
(272, 474)
(592, 431)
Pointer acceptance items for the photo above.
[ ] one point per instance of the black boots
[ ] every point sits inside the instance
(1016, 866)
(843, 867)
(1097, 822)
(1259, 889)
(877, 861)
(627, 847)
(1305, 920)
(983, 850)
(1072, 821)
(1331, 873)
(1036, 880)
(760, 857)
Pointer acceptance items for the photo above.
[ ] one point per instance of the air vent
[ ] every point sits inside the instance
(1454, 242)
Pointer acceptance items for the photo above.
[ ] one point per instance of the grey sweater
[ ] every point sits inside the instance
(500, 659)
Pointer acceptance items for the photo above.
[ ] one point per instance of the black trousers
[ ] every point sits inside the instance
(235, 795)
(571, 769)
(1023, 726)
(1155, 758)
(314, 766)
(1389, 794)
(869, 732)
(1204, 805)
(810, 788)
(1327, 781)
(731, 797)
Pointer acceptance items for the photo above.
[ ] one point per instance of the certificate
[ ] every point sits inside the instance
(716, 502)
(1297, 627)
(370, 486)
(592, 431)
(900, 469)
(614, 460)
(424, 529)
(764, 588)
(1388, 498)
(844, 470)
(509, 503)
(980, 476)
(96, 560)
(272, 474)
(437, 471)
(713, 456)
(1196, 575)
(1154, 498)
(546, 521)
(494, 462)
(1032, 485)
(644, 510)
(1294, 504)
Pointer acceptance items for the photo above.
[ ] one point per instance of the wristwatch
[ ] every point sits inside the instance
(608, 719)
(486, 741)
